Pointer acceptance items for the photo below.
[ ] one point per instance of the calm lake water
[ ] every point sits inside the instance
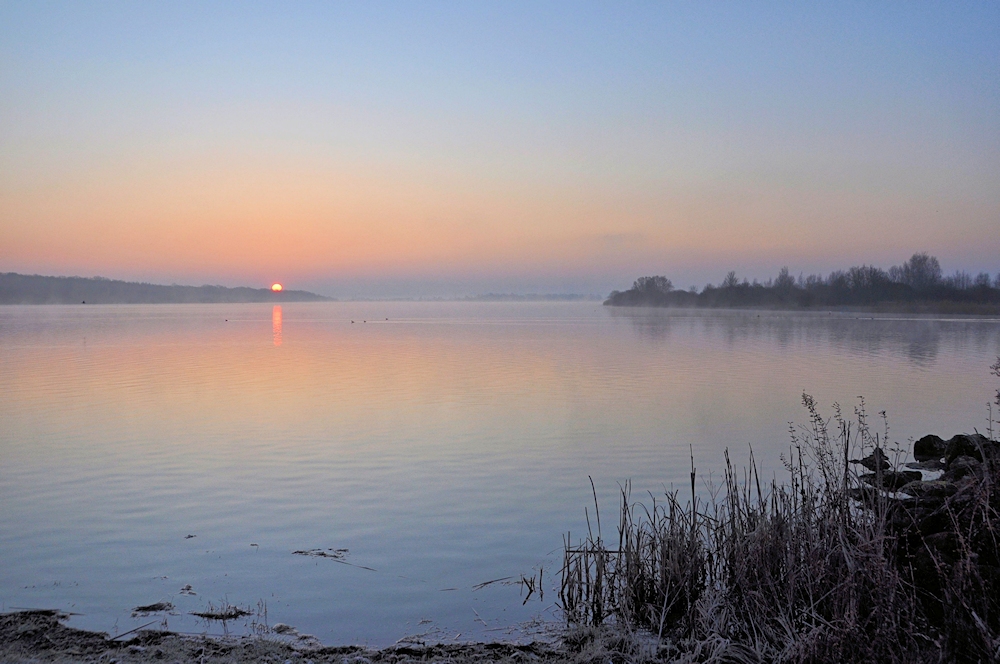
(443, 445)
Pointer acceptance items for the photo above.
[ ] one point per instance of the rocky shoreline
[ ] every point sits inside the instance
(931, 515)
(944, 527)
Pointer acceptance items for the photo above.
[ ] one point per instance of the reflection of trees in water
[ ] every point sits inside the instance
(919, 339)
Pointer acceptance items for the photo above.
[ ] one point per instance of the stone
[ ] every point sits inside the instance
(892, 480)
(928, 448)
(863, 494)
(945, 542)
(972, 445)
(937, 521)
(932, 488)
(874, 460)
(963, 466)
(969, 493)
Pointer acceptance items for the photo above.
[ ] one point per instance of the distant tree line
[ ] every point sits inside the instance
(918, 281)
(34, 289)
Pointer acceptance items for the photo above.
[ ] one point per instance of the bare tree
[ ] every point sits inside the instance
(922, 271)
(653, 284)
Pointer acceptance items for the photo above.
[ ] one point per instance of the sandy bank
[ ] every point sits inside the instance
(39, 636)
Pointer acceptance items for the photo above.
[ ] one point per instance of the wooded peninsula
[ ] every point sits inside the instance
(34, 289)
(916, 285)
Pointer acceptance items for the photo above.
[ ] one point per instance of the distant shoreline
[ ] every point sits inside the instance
(916, 286)
(927, 308)
(38, 290)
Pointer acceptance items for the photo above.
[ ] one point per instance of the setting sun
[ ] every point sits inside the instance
(276, 287)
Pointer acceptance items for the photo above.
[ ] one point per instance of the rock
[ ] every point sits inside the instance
(892, 480)
(918, 514)
(945, 542)
(863, 494)
(874, 461)
(963, 466)
(969, 493)
(906, 515)
(936, 522)
(929, 448)
(932, 488)
(972, 445)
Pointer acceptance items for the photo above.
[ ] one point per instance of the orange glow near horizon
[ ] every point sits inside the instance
(363, 224)
(276, 287)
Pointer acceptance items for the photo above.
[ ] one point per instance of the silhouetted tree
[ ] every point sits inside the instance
(916, 280)
(784, 281)
(921, 272)
(653, 284)
(961, 280)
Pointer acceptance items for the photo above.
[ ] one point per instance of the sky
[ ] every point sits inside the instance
(437, 149)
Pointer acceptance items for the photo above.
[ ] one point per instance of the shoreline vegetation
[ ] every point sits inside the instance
(916, 286)
(35, 289)
(849, 560)
(854, 557)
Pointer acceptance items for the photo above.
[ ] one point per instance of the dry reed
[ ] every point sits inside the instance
(821, 567)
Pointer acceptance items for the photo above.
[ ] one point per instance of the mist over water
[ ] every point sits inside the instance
(442, 444)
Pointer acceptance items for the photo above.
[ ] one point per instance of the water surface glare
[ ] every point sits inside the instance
(442, 444)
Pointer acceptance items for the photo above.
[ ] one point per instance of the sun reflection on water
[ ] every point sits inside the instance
(276, 324)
